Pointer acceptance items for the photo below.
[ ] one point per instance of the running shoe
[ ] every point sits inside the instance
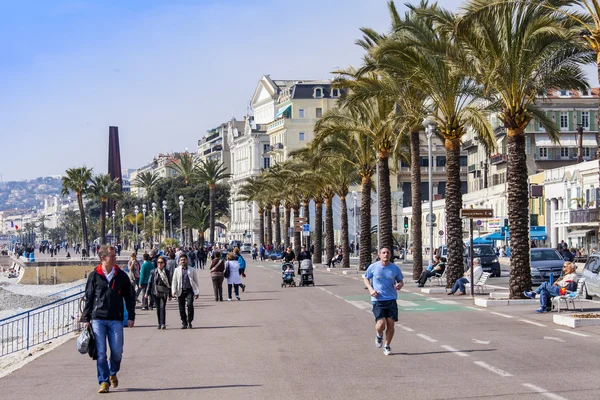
(531, 295)
(387, 351)
(378, 341)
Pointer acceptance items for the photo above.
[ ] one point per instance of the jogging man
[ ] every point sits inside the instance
(383, 279)
(107, 286)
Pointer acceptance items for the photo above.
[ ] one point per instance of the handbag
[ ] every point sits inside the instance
(227, 271)
(83, 341)
(92, 349)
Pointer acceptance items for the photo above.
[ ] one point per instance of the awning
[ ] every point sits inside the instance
(543, 140)
(282, 110)
(589, 140)
(568, 140)
(579, 233)
(495, 236)
(537, 233)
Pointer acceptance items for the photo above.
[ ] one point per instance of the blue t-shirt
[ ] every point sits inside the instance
(383, 279)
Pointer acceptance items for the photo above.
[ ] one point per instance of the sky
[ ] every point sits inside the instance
(163, 71)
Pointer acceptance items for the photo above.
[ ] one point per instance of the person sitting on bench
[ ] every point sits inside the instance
(547, 290)
(437, 268)
(459, 286)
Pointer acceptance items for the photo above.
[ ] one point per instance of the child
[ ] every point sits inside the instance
(288, 274)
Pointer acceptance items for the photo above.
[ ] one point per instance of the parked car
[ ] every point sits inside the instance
(488, 257)
(246, 248)
(592, 277)
(545, 262)
(273, 255)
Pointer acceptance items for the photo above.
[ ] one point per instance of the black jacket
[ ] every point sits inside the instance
(156, 286)
(104, 300)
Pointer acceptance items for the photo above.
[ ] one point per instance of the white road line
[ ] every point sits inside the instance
(360, 304)
(531, 322)
(327, 291)
(544, 392)
(404, 303)
(406, 328)
(446, 302)
(453, 350)
(502, 315)
(418, 294)
(492, 369)
(475, 308)
(425, 337)
(338, 296)
(572, 333)
(322, 288)
(553, 338)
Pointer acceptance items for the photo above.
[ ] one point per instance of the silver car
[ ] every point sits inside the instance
(592, 279)
(246, 248)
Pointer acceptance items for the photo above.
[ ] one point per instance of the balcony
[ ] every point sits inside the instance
(211, 137)
(472, 168)
(500, 131)
(584, 216)
(278, 146)
(218, 147)
(434, 170)
(275, 124)
(267, 149)
(469, 143)
(498, 159)
(207, 151)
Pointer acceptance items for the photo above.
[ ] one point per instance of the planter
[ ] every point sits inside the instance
(438, 290)
(576, 320)
(483, 302)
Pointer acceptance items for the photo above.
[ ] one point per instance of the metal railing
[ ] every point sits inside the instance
(38, 325)
(69, 291)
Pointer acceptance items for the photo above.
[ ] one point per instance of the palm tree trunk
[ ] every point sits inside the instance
(415, 186)
(269, 226)
(307, 215)
(454, 265)
(212, 212)
(329, 243)
(365, 224)
(277, 225)
(287, 218)
(518, 210)
(85, 243)
(103, 222)
(297, 235)
(261, 226)
(345, 234)
(318, 253)
(385, 204)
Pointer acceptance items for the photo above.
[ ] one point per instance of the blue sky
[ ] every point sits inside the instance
(163, 71)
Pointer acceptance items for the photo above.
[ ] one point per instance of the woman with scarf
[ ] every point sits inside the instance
(159, 286)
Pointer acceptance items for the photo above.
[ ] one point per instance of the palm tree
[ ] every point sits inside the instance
(42, 225)
(519, 51)
(252, 191)
(186, 167)
(77, 180)
(104, 187)
(212, 171)
(198, 217)
(147, 180)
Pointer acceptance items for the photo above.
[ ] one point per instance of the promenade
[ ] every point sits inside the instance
(318, 343)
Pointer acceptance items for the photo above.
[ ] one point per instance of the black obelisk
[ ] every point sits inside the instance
(114, 161)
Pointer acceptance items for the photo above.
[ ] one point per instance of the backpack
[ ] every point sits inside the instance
(242, 262)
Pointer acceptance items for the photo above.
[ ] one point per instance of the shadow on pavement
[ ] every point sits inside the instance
(187, 388)
(243, 300)
(227, 326)
(440, 352)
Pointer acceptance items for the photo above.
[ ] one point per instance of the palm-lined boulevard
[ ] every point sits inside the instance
(455, 70)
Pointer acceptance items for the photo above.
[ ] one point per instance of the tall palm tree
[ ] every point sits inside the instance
(147, 180)
(186, 167)
(252, 191)
(212, 171)
(42, 225)
(104, 188)
(198, 217)
(519, 51)
(77, 180)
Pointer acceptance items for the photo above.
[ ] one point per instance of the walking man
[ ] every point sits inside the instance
(185, 288)
(384, 279)
(106, 289)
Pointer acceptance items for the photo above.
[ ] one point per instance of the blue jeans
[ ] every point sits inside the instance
(113, 331)
(460, 285)
(546, 290)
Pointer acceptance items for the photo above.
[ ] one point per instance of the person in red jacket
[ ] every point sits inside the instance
(107, 288)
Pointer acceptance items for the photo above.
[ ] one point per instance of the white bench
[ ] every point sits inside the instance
(480, 284)
(570, 296)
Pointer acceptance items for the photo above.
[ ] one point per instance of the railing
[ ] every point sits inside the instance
(211, 137)
(472, 168)
(497, 159)
(208, 151)
(583, 216)
(278, 146)
(69, 291)
(275, 124)
(38, 325)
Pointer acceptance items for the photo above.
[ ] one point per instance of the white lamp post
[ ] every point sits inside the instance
(171, 222)
(430, 124)
(144, 212)
(137, 210)
(105, 235)
(122, 225)
(153, 222)
(354, 217)
(112, 236)
(164, 208)
(181, 218)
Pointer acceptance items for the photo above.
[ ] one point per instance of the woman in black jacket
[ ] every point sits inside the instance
(159, 286)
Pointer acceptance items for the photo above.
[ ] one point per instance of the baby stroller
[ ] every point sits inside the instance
(287, 277)
(306, 273)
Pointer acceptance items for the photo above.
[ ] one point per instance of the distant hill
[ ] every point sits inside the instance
(28, 194)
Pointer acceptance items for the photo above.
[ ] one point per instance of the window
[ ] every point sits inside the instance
(543, 152)
(463, 161)
(585, 119)
(301, 136)
(266, 162)
(564, 120)
(586, 152)
(586, 92)
(539, 126)
(424, 162)
(319, 112)
(564, 93)
(440, 161)
(527, 145)
(564, 152)
(335, 93)
(266, 148)
(301, 113)
(318, 93)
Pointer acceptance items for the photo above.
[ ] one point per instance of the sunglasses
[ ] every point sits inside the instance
(160, 262)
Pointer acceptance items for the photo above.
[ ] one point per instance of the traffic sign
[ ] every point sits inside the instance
(476, 213)
(431, 217)
(479, 223)
(441, 232)
(306, 228)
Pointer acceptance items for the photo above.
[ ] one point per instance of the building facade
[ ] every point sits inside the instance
(163, 165)
(214, 145)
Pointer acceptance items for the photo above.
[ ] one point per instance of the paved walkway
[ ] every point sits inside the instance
(317, 343)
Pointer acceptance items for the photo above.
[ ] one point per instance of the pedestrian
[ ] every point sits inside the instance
(254, 252)
(217, 268)
(171, 264)
(384, 279)
(459, 285)
(159, 286)
(242, 270)
(234, 276)
(201, 253)
(107, 288)
(185, 288)
(134, 270)
(147, 266)
(262, 252)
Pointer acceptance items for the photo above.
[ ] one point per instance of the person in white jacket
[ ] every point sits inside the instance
(185, 288)
(233, 279)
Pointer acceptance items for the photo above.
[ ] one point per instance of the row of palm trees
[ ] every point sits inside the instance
(451, 69)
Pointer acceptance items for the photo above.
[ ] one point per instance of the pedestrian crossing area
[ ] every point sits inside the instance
(409, 302)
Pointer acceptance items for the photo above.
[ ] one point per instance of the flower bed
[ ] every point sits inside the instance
(577, 320)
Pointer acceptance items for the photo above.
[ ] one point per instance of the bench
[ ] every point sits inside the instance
(480, 284)
(441, 278)
(570, 296)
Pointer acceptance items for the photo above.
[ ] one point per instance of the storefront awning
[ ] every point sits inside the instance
(589, 140)
(579, 233)
(543, 140)
(283, 110)
(568, 140)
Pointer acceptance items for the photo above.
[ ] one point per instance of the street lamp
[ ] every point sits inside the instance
(137, 210)
(429, 123)
(112, 237)
(171, 222)
(144, 212)
(354, 217)
(105, 234)
(122, 225)
(181, 218)
(580, 142)
(153, 222)
(164, 207)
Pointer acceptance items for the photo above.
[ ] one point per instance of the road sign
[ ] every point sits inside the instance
(300, 220)
(476, 213)
(431, 217)
(441, 232)
(479, 222)
(306, 228)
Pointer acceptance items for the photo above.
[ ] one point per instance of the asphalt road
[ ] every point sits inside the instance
(318, 342)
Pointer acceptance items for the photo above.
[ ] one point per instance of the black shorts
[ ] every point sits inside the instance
(385, 309)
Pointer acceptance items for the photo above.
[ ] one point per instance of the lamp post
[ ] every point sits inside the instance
(137, 210)
(105, 235)
(580, 143)
(164, 208)
(354, 217)
(429, 124)
(112, 237)
(171, 222)
(153, 222)
(144, 212)
(122, 225)
(181, 219)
